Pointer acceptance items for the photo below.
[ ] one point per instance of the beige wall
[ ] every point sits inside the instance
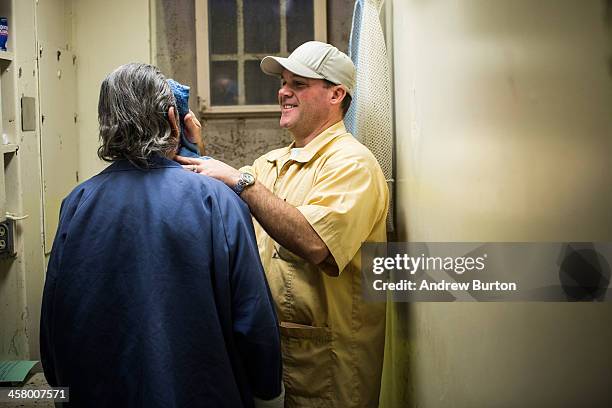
(21, 278)
(504, 127)
(106, 35)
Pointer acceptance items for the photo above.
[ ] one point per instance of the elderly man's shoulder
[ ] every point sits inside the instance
(220, 192)
(168, 182)
(209, 184)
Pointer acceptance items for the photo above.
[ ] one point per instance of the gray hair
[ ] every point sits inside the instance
(132, 112)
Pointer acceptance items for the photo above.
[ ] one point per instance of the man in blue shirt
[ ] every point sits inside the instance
(155, 295)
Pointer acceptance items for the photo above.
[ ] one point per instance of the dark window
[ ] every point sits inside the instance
(262, 26)
(240, 34)
(222, 26)
(261, 89)
(224, 83)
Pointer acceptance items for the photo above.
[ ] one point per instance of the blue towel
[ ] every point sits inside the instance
(181, 94)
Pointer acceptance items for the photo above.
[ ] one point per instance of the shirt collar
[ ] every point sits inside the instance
(312, 148)
(155, 162)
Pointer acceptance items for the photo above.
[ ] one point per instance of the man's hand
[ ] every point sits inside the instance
(193, 131)
(193, 128)
(174, 124)
(212, 168)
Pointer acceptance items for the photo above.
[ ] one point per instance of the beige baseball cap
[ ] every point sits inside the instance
(315, 59)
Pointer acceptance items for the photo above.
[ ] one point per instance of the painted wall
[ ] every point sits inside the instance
(504, 129)
(21, 278)
(106, 34)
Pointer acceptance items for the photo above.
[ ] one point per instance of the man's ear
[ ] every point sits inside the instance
(173, 122)
(338, 95)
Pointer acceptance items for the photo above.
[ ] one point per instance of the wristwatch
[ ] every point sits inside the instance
(246, 179)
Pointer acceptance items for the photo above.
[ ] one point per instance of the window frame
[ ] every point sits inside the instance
(203, 63)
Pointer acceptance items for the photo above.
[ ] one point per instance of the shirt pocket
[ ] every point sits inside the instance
(303, 297)
(308, 364)
(286, 255)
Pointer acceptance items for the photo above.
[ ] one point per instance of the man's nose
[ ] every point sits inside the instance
(284, 91)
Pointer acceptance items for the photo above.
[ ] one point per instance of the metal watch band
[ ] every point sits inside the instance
(245, 180)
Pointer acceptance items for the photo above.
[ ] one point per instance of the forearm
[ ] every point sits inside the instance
(285, 224)
(282, 221)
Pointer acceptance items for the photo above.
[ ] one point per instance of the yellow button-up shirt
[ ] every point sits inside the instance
(332, 341)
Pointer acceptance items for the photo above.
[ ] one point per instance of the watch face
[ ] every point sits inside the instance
(245, 180)
(248, 178)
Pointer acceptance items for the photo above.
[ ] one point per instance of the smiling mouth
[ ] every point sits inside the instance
(288, 106)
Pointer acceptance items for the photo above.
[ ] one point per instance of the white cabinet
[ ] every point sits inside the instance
(8, 143)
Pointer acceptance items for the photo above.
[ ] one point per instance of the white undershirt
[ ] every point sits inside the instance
(296, 151)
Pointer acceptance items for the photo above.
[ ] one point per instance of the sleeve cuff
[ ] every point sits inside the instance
(278, 402)
(317, 217)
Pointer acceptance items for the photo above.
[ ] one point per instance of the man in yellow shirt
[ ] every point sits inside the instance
(315, 202)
